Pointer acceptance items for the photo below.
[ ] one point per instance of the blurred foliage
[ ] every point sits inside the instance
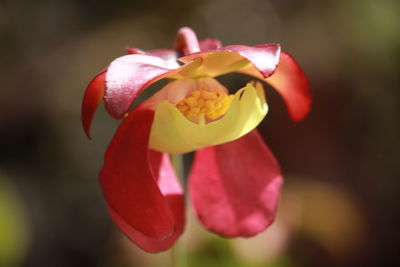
(217, 252)
(347, 148)
(13, 225)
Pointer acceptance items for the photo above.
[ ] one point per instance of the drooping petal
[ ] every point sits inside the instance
(209, 44)
(231, 58)
(186, 41)
(172, 191)
(291, 83)
(235, 187)
(173, 133)
(93, 96)
(129, 75)
(128, 183)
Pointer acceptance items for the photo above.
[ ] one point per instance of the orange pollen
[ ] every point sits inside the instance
(203, 106)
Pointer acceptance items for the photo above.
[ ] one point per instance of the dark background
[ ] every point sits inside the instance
(340, 201)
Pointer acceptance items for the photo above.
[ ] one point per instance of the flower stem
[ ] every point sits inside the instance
(177, 162)
(177, 257)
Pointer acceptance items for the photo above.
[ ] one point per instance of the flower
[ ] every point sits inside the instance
(235, 180)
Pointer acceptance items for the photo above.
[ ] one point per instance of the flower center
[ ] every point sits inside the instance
(203, 106)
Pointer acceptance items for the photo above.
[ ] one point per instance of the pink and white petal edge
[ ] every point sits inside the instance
(129, 75)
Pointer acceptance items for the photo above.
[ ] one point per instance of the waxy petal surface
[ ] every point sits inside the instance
(126, 77)
(165, 54)
(171, 189)
(173, 133)
(231, 58)
(291, 83)
(93, 96)
(129, 75)
(235, 187)
(128, 182)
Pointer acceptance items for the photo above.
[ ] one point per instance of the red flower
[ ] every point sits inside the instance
(235, 180)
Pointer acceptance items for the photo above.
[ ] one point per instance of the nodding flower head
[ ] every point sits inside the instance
(235, 180)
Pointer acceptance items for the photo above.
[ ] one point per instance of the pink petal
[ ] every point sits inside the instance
(235, 187)
(166, 54)
(127, 76)
(235, 57)
(128, 183)
(172, 191)
(93, 96)
(291, 83)
(209, 44)
(264, 57)
(186, 41)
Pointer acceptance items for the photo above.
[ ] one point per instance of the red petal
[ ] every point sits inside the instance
(235, 187)
(128, 182)
(186, 41)
(234, 57)
(93, 95)
(291, 83)
(127, 76)
(172, 191)
(209, 44)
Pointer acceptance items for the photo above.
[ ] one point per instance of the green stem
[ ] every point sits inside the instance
(177, 257)
(177, 162)
(175, 262)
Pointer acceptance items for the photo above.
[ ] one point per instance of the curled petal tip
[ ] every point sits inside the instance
(93, 96)
(186, 31)
(186, 41)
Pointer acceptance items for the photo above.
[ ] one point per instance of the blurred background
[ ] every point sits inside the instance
(339, 205)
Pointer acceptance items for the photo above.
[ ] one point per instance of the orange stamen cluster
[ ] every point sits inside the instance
(203, 106)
